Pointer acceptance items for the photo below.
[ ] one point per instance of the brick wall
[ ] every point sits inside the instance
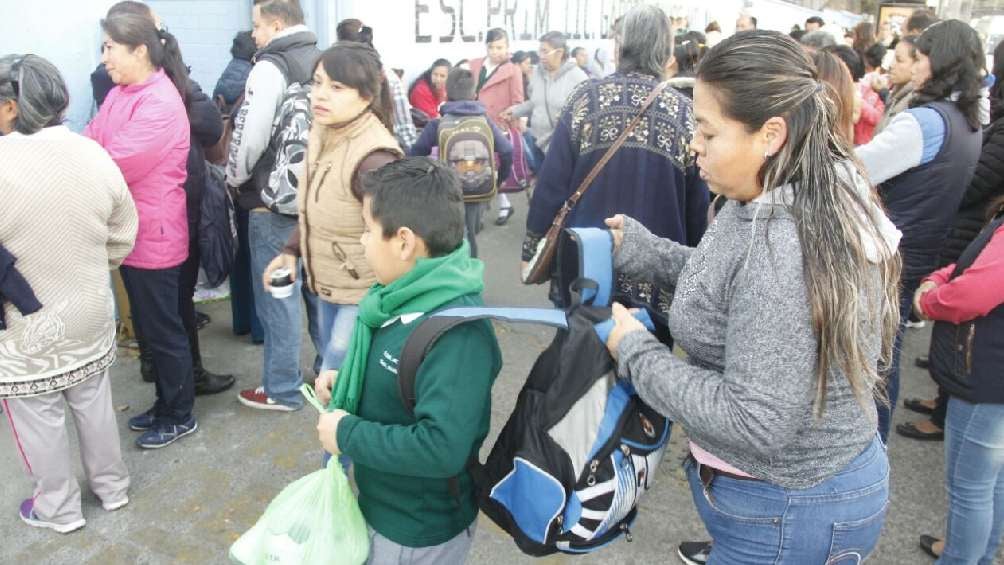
(205, 30)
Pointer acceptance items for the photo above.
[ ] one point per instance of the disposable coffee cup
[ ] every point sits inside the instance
(282, 283)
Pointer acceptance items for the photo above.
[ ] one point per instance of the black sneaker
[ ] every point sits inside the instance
(694, 552)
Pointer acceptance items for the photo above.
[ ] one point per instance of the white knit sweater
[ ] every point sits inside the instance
(67, 216)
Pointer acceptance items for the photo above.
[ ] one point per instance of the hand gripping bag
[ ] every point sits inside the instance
(313, 521)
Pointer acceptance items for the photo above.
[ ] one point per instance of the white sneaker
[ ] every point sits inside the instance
(113, 506)
(915, 325)
(256, 398)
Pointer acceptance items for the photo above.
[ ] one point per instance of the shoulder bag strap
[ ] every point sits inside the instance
(574, 199)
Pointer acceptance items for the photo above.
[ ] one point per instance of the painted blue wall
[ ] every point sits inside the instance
(67, 33)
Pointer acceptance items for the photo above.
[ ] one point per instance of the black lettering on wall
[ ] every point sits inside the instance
(420, 8)
(464, 37)
(509, 22)
(453, 22)
(541, 21)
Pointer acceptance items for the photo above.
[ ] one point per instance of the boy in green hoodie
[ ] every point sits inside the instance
(404, 461)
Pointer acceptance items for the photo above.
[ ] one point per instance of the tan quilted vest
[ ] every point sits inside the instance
(331, 218)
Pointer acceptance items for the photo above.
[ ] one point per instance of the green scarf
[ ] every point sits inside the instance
(432, 283)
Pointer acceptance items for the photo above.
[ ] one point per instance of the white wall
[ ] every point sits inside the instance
(411, 34)
(67, 33)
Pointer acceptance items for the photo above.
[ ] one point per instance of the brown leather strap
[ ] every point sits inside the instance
(574, 199)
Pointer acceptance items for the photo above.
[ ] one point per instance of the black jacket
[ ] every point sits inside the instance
(14, 288)
(966, 358)
(101, 84)
(232, 81)
(986, 185)
(923, 200)
(207, 127)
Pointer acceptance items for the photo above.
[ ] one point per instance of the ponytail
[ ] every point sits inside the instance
(383, 105)
(162, 47)
(174, 65)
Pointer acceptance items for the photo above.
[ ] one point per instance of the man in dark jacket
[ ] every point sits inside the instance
(231, 85)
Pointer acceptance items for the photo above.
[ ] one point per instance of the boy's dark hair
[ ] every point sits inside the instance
(352, 29)
(815, 20)
(874, 55)
(421, 194)
(850, 58)
(496, 34)
(243, 47)
(920, 20)
(459, 85)
(288, 12)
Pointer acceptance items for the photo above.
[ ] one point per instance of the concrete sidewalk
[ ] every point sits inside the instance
(192, 500)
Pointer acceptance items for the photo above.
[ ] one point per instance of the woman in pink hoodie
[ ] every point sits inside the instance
(143, 125)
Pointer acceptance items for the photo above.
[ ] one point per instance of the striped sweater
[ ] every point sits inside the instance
(68, 217)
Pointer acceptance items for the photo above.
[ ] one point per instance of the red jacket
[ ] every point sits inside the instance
(423, 98)
(972, 294)
(872, 109)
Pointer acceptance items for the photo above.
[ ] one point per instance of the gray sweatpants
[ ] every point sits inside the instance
(38, 424)
(451, 552)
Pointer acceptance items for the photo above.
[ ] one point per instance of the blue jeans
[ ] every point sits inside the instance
(892, 375)
(974, 478)
(281, 377)
(335, 323)
(837, 522)
(313, 324)
(242, 311)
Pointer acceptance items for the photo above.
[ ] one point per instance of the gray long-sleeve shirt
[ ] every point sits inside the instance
(741, 313)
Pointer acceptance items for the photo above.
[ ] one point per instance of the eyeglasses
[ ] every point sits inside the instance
(545, 52)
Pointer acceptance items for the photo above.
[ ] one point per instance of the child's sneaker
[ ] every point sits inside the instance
(29, 517)
(115, 505)
(256, 398)
(142, 422)
(164, 435)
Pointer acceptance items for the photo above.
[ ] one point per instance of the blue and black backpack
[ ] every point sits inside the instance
(580, 448)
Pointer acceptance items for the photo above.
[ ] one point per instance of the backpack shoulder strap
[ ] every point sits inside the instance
(433, 327)
(595, 249)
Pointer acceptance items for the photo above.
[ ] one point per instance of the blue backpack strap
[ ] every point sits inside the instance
(429, 330)
(595, 262)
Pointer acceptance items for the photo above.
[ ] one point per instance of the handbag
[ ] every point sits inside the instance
(538, 270)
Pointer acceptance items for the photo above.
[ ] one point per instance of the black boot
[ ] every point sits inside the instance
(211, 383)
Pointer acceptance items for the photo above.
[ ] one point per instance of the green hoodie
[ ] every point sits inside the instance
(403, 461)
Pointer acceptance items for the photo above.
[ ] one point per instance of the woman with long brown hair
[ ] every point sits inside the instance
(785, 310)
(834, 73)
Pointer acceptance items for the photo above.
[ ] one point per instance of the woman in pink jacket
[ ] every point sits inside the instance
(144, 126)
(500, 87)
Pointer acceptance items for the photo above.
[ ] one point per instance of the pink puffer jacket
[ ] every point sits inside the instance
(144, 127)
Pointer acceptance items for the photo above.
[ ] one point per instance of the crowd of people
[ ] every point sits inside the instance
(782, 210)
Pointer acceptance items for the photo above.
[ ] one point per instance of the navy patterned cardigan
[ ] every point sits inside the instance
(653, 177)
